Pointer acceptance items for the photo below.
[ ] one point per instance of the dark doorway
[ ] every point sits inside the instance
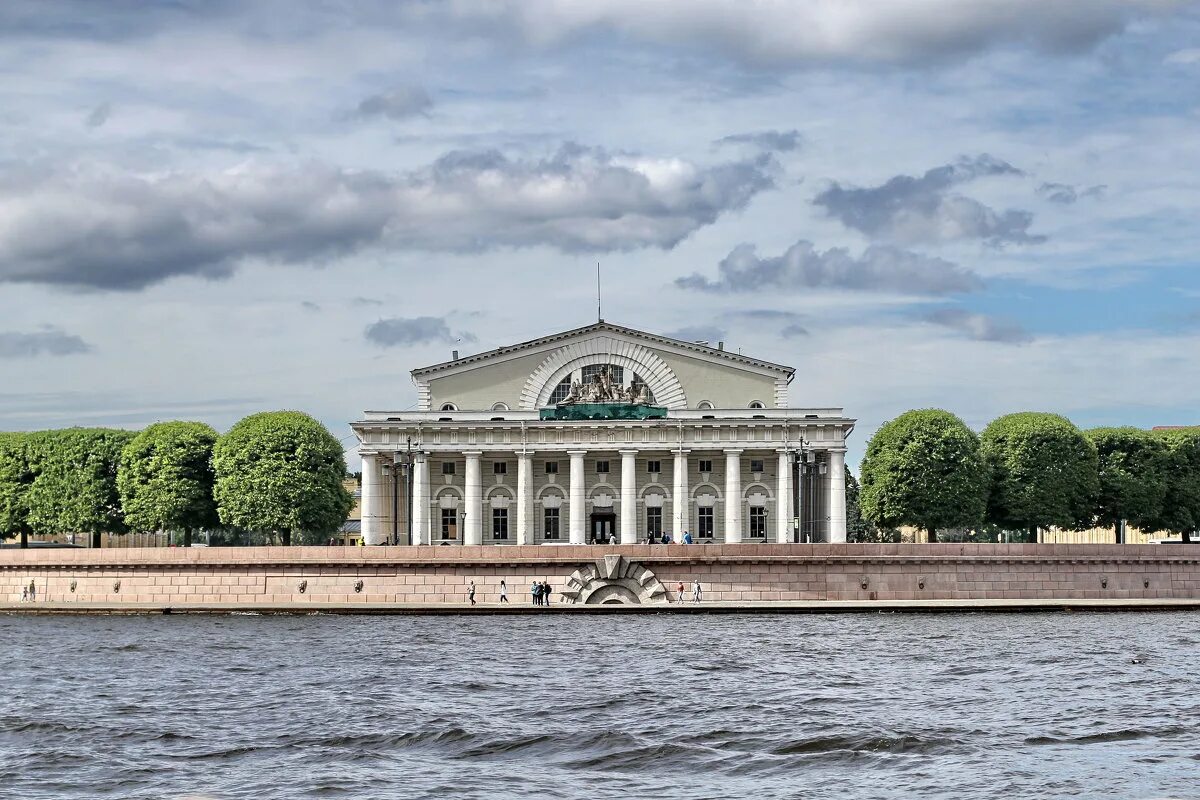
(604, 525)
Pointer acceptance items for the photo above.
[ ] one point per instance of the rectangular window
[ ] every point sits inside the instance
(654, 467)
(602, 467)
(756, 465)
(447, 467)
(449, 523)
(551, 467)
(758, 522)
(654, 523)
(499, 523)
(550, 529)
(704, 523)
(705, 465)
(500, 468)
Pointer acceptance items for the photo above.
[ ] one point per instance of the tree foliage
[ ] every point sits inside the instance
(75, 480)
(857, 528)
(1181, 505)
(1044, 471)
(924, 469)
(166, 479)
(1133, 476)
(280, 471)
(16, 476)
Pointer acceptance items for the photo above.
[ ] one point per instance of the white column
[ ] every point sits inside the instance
(577, 494)
(837, 496)
(733, 496)
(525, 520)
(420, 499)
(629, 533)
(473, 529)
(783, 498)
(679, 502)
(372, 523)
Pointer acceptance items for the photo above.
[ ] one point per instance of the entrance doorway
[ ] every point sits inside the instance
(604, 525)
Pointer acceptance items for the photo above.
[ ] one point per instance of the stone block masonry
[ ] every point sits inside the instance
(633, 574)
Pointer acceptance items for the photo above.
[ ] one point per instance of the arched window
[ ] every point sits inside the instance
(757, 404)
(705, 405)
(449, 407)
(637, 383)
(499, 406)
(561, 391)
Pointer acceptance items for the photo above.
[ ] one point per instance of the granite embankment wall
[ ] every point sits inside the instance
(728, 573)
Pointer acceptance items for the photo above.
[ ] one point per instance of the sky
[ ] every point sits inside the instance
(209, 209)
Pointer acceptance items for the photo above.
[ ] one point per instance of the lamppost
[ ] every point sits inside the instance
(408, 493)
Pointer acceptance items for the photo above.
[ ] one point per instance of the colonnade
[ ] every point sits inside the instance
(526, 522)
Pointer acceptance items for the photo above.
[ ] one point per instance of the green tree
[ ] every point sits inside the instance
(16, 476)
(166, 479)
(1044, 472)
(924, 469)
(1133, 477)
(857, 528)
(280, 471)
(1181, 506)
(75, 481)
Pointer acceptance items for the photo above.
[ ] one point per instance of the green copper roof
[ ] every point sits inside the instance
(604, 411)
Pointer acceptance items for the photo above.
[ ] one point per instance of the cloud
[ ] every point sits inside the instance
(309, 305)
(909, 209)
(881, 268)
(792, 322)
(400, 103)
(1190, 55)
(981, 327)
(1066, 194)
(107, 229)
(771, 141)
(819, 32)
(793, 331)
(50, 342)
(365, 301)
(698, 333)
(99, 115)
(401, 331)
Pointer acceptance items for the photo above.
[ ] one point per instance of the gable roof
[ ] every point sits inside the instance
(606, 327)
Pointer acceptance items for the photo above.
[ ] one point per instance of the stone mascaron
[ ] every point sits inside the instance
(729, 462)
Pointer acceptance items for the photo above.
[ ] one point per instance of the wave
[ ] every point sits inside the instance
(1123, 735)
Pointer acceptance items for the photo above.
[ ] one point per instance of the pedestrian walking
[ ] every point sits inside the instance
(546, 593)
(24, 594)
(697, 592)
(32, 591)
(612, 538)
(687, 537)
(471, 592)
(503, 592)
(679, 592)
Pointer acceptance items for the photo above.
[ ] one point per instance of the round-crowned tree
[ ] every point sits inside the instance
(280, 471)
(75, 481)
(1044, 471)
(1133, 477)
(924, 469)
(166, 478)
(1181, 505)
(16, 476)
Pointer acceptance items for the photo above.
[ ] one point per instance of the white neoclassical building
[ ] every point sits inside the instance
(603, 433)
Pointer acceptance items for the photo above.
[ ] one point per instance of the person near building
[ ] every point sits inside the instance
(471, 592)
(535, 593)
(697, 592)
(32, 591)
(546, 593)
(687, 537)
(503, 591)
(679, 592)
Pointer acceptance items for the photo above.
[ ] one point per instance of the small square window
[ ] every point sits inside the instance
(447, 467)
(551, 467)
(602, 467)
(705, 465)
(500, 468)
(756, 465)
(654, 467)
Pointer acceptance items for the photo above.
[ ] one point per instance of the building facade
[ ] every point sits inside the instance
(603, 433)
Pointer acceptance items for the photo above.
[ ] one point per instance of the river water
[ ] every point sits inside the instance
(662, 706)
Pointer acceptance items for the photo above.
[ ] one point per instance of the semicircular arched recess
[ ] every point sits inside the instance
(612, 579)
(603, 350)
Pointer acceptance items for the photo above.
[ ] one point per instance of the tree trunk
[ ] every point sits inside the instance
(1187, 537)
(1033, 534)
(287, 538)
(24, 539)
(932, 536)
(187, 537)
(96, 539)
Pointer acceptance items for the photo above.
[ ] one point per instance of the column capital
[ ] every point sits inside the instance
(525, 454)
(784, 451)
(420, 455)
(679, 451)
(841, 450)
(734, 451)
(577, 452)
(629, 452)
(472, 453)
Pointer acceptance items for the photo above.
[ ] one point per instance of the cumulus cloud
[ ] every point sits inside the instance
(402, 331)
(112, 230)
(823, 31)
(698, 333)
(776, 141)
(1065, 194)
(98, 115)
(880, 268)
(909, 209)
(49, 342)
(399, 103)
(1190, 55)
(981, 327)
